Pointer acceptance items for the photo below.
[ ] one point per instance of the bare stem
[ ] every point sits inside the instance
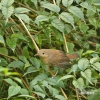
(65, 43)
(36, 47)
(77, 94)
(54, 2)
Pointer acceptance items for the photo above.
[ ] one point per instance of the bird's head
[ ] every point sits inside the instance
(42, 53)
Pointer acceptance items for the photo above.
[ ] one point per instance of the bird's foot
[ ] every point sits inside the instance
(55, 74)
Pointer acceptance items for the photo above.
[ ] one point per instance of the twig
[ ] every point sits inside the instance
(52, 74)
(36, 47)
(54, 2)
(16, 25)
(26, 7)
(8, 56)
(26, 85)
(64, 40)
(64, 93)
(77, 94)
(67, 51)
(12, 30)
(65, 43)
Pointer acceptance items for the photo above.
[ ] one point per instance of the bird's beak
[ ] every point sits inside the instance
(36, 54)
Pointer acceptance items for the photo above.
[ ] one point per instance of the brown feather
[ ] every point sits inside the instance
(54, 57)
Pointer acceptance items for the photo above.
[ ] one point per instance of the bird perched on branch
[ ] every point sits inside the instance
(58, 58)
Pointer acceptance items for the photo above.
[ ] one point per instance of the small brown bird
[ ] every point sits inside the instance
(58, 58)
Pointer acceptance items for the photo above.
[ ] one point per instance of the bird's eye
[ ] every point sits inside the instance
(43, 53)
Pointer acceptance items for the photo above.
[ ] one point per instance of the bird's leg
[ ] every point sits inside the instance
(52, 74)
(55, 74)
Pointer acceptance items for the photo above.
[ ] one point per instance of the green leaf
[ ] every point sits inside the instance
(11, 43)
(83, 27)
(70, 47)
(26, 52)
(16, 64)
(89, 14)
(60, 97)
(7, 3)
(35, 62)
(11, 82)
(96, 3)
(41, 18)
(12, 73)
(67, 18)
(19, 36)
(67, 3)
(93, 22)
(48, 99)
(88, 52)
(94, 59)
(96, 66)
(51, 81)
(79, 83)
(0, 6)
(20, 10)
(13, 90)
(66, 77)
(58, 2)
(87, 6)
(53, 91)
(35, 2)
(7, 12)
(3, 62)
(40, 77)
(24, 91)
(51, 7)
(68, 28)
(91, 33)
(30, 70)
(27, 96)
(2, 40)
(77, 12)
(83, 63)
(87, 75)
(73, 69)
(94, 95)
(40, 94)
(24, 17)
(2, 69)
(38, 40)
(4, 51)
(58, 24)
(39, 90)
(24, 59)
(5, 72)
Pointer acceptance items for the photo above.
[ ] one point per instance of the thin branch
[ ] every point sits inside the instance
(64, 93)
(64, 40)
(36, 47)
(52, 74)
(8, 56)
(26, 85)
(66, 46)
(16, 25)
(77, 94)
(26, 7)
(54, 2)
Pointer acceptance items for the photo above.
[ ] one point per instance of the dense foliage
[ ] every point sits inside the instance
(55, 24)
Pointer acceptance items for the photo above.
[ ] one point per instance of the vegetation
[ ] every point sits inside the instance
(67, 25)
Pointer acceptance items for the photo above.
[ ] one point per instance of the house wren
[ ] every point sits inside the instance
(58, 58)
